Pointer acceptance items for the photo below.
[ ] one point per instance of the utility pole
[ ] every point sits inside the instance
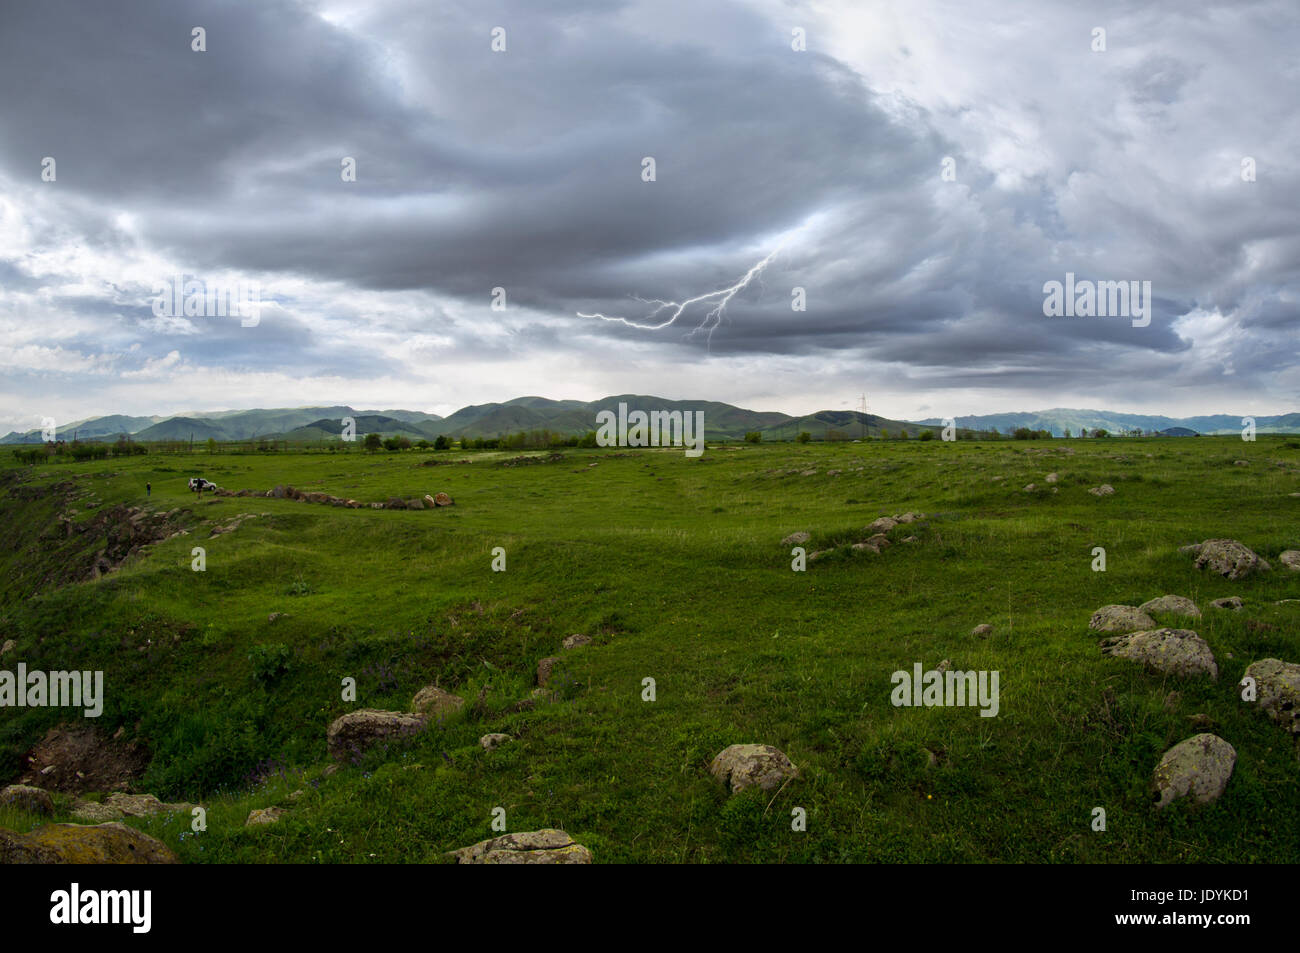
(862, 421)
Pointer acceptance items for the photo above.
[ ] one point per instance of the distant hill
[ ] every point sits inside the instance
(1059, 419)
(721, 422)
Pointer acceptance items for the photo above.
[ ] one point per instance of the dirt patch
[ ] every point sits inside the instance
(76, 758)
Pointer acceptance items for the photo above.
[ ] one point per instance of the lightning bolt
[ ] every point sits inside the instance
(675, 309)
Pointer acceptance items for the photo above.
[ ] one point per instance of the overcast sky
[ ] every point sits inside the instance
(522, 169)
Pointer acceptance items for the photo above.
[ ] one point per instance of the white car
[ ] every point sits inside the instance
(198, 484)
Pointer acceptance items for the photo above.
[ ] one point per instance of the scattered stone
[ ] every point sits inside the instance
(430, 501)
(1120, 619)
(882, 525)
(91, 812)
(983, 630)
(144, 805)
(943, 666)
(1171, 605)
(796, 539)
(544, 668)
(358, 730)
(434, 702)
(1052, 477)
(1241, 463)
(1030, 488)
(1229, 558)
(1278, 686)
(575, 641)
(262, 816)
(111, 843)
(31, 799)
(1290, 559)
(1168, 651)
(493, 740)
(813, 557)
(442, 499)
(743, 766)
(1104, 490)
(8, 647)
(274, 615)
(909, 517)
(879, 541)
(1198, 768)
(1230, 602)
(546, 846)
(909, 539)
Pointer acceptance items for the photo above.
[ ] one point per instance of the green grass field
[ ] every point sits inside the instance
(675, 567)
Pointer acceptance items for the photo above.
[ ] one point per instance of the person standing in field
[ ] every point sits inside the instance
(148, 489)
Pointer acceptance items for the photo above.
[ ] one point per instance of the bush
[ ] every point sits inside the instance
(804, 436)
(373, 442)
(927, 435)
(442, 442)
(270, 661)
(754, 436)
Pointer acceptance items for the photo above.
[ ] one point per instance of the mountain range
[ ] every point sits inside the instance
(722, 422)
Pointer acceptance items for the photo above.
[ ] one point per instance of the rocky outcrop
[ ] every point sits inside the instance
(1226, 557)
(111, 843)
(744, 766)
(33, 800)
(1198, 768)
(1277, 687)
(1168, 651)
(546, 846)
(434, 702)
(1120, 619)
(352, 734)
(1171, 605)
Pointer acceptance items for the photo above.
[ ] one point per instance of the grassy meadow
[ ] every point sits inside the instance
(675, 567)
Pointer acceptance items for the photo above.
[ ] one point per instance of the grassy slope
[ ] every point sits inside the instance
(675, 566)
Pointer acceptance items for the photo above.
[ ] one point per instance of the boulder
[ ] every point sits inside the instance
(1198, 768)
(1290, 559)
(357, 731)
(90, 812)
(434, 702)
(1168, 651)
(1051, 478)
(879, 541)
(262, 816)
(1120, 619)
(33, 800)
(796, 539)
(494, 740)
(544, 668)
(442, 499)
(1277, 684)
(983, 630)
(144, 805)
(1229, 602)
(575, 641)
(111, 843)
(415, 504)
(1104, 490)
(429, 501)
(1171, 605)
(8, 647)
(1030, 487)
(744, 766)
(882, 525)
(1229, 558)
(909, 517)
(546, 846)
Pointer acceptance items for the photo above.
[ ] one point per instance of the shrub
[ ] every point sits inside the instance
(754, 436)
(270, 661)
(804, 436)
(926, 435)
